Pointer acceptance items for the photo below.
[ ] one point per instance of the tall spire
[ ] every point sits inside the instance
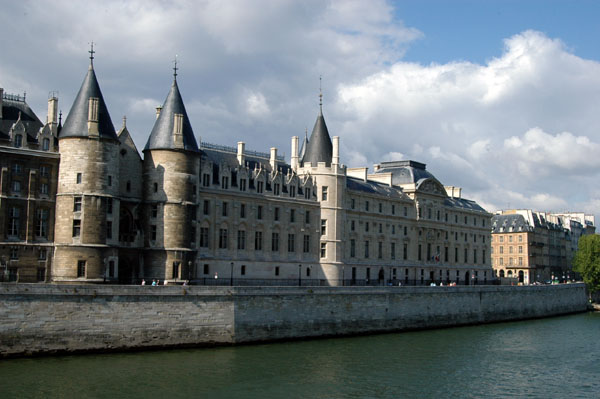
(319, 148)
(79, 120)
(172, 129)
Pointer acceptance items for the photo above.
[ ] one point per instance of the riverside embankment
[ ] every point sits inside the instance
(41, 319)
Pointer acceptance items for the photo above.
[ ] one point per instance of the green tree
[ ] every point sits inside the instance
(587, 261)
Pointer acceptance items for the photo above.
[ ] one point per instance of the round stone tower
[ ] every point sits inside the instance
(171, 168)
(87, 194)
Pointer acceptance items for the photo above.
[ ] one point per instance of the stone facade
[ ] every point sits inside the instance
(214, 214)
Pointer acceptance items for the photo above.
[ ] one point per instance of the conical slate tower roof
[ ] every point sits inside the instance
(319, 147)
(76, 124)
(303, 148)
(163, 133)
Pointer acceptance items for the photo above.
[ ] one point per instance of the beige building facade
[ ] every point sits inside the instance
(213, 214)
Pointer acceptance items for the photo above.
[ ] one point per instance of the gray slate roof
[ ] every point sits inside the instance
(405, 172)
(377, 188)
(10, 114)
(161, 137)
(510, 223)
(463, 203)
(319, 147)
(76, 124)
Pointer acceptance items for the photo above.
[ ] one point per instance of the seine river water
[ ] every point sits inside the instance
(548, 358)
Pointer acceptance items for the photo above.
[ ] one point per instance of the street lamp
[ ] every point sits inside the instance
(231, 275)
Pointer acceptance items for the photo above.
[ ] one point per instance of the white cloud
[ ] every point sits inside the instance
(256, 105)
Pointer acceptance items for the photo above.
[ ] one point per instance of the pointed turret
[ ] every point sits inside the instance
(319, 147)
(304, 145)
(172, 129)
(88, 115)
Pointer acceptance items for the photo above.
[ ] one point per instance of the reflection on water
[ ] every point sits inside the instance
(555, 357)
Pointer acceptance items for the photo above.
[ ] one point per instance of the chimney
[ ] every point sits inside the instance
(1, 97)
(158, 109)
(273, 160)
(294, 164)
(240, 153)
(52, 109)
(335, 158)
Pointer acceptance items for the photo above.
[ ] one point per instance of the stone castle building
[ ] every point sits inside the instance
(80, 205)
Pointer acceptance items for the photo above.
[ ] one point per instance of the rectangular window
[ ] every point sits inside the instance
(108, 229)
(206, 207)
(277, 270)
(204, 237)
(258, 240)
(76, 204)
(380, 228)
(154, 210)
(292, 215)
(393, 212)
(475, 256)
(109, 180)
(291, 243)
(109, 206)
(275, 242)
(76, 228)
(324, 193)
(41, 274)
(153, 232)
(41, 226)
(292, 191)
(224, 209)
(352, 203)
(352, 225)
(393, 250)
(80, 268)
(420, 255)
(44, 171)
(366, 249)
(241, 240)
(276, 214)
(276, 189)
(259, 212)
(352, 248)
(14, 253)
(405, 211)
(43, 254)
(17, 168)
(323, 249)
(307, 193)
(367, 206)
(205, 180)
(405, 252)
(367, 227)
(242, 184)
(78, 178)
(223, 238)
(44, 188)
(380, 207)
(306, 243)
(466, 256)
(16, 186)
(380, 250)
(323, 227)
(307, 217)
(206, 269)
(225, 182)
(242, 211)
(259, 187)
(446, 254)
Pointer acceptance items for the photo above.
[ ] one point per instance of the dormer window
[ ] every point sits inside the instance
(46, 144)
(18, 141)
(93, 109)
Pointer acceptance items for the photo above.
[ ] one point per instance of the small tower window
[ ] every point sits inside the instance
(78, 178)
(128, 186)
(155, 187)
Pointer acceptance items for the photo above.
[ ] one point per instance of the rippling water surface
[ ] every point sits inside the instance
(548, 358)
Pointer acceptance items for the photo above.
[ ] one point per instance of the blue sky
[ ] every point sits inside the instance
(474, 30)
(498, 97)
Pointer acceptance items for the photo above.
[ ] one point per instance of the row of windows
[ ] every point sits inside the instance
(510, 249)
(41, 222)
(511, 261)
(16, 187)
(109, 181)
(206, 271)
(18, 142)
(42, 253)
(17, 169)
(254, 184)
(509, 239)
(243, 212)
(431, 256)
(446, 218)
(367, 207)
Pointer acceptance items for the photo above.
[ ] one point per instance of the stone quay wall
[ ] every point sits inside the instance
(45, 318)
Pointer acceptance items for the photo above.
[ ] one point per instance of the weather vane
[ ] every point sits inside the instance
(91, 53)
(175, 67)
